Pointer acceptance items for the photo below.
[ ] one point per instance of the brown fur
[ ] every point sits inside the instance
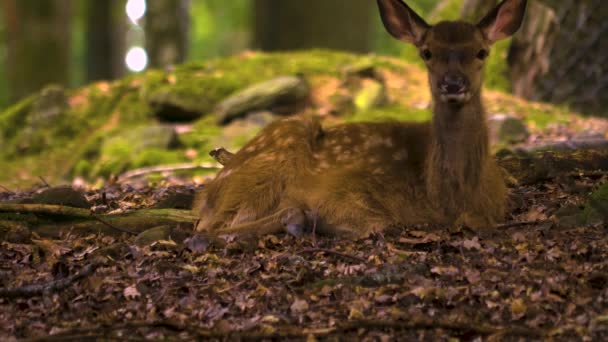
(351, 180)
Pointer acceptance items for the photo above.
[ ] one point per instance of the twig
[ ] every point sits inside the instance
(52, 286)
(50, 209)
(166, 168)
(331, 251)
(520, 224)
(112, 226)
(6, 189)
(44, 182)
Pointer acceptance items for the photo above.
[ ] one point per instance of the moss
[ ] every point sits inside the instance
(391, 113)
(497, 71)
(198, 87)
(157, 156)
(540, 118)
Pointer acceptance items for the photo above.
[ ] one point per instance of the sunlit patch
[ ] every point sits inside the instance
(136, 59)
(135, 9)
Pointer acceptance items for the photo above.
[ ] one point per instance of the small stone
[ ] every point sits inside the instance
(508, 129)
(61, 195)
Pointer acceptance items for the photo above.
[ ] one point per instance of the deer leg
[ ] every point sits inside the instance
(291, 220)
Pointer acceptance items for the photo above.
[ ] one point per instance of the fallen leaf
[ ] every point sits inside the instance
(445, 270)
(131, 292)
(471, 244)
(518, 308)
(299, 306)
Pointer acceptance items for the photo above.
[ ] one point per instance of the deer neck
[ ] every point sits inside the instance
(458, 152)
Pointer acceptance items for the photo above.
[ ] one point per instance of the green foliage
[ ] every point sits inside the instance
(497, 70)
(391, 113)
(541, 118)
(219, 28)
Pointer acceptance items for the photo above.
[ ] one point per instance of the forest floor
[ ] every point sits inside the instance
(528, 278)
(534, 277)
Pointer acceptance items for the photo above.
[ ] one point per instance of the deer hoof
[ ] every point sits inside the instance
(294, 222)
(297, 230)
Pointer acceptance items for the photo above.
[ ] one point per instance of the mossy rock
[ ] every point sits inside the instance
(91, 131)
(137, 147)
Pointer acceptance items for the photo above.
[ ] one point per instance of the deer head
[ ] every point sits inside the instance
(454, 51)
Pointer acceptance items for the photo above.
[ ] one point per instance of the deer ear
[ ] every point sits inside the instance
(504, 20)
(401, 21)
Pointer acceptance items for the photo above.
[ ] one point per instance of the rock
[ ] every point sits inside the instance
(242, 130)
(45, 119)
(61, 195)
(372, 94)
(282, 94)
(129, 146)
(170, 106)
(508, 129)
(152, 235)
(176, 200)
(50, 104)
(362, 68)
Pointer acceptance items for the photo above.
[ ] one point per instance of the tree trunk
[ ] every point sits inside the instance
(529, 54)
(167, 29)
(105, 42)
(473, 10)
(38, 40)
(332, 24)
(560, 54)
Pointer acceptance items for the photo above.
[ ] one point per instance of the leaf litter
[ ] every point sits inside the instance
(531, 282)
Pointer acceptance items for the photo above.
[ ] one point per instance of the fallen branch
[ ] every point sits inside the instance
(531, 167)
(84, 222)
(113, 226)
(519, 224)
(49, 209)
(166, 168)
(52, 286)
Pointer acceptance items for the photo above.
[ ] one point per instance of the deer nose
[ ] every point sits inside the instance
(453, 84)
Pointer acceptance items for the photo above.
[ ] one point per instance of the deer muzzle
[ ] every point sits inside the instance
(454, 88)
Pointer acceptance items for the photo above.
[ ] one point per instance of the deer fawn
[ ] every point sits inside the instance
(354, 179)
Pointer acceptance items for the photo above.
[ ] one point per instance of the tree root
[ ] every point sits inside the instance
(49, 209)
(82, 221)
(52, 286)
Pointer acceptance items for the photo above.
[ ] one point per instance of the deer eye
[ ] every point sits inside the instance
(426, 54)
(482, 54)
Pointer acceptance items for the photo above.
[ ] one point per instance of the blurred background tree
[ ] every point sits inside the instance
(38, 40)
(167, 29)
(75, 42)
(105, 41)
(293, 25)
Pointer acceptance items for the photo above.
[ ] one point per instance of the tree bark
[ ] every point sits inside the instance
(38, 40)
(105, 43)
(167, 31)
(529, 54)
(333, 24)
